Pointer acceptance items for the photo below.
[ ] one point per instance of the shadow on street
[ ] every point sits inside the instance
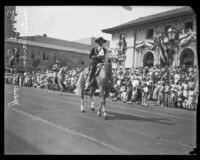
(120, 116)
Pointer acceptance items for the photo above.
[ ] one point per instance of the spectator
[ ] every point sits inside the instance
(161, 94)
(144, 95)
(167, 94)
(191, 101)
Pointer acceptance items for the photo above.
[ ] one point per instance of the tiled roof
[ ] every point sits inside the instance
(58, 42)
(45, 45)
(152, 18)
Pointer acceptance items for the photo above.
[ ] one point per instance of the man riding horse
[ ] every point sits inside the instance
(13, 60)
(102, 80)
(97, 55)
(56, 69)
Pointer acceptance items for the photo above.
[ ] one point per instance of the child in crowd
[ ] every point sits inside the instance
(191, 101)
(173, 97)
(144, 94)
(185, 103)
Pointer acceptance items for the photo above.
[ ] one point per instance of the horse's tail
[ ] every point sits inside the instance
(80, 83)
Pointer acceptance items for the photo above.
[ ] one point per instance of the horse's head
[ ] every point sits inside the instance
(110, 55)
(107, 59)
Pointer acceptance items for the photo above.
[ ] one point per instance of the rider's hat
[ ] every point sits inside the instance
(100, 39)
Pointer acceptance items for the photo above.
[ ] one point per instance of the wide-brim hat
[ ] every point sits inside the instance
(100, 39)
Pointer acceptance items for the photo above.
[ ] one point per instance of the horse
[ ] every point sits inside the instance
(48, 79)
(104, 83)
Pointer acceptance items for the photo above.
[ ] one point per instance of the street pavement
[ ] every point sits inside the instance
(53, 124)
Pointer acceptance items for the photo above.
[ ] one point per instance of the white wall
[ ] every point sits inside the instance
(129, 58)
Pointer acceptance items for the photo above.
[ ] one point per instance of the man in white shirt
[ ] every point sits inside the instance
(135, 82)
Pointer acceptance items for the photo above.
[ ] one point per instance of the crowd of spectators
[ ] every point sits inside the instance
(178, 88)
(38, 79)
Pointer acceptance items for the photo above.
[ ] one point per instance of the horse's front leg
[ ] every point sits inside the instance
(92, 102)
(48, 86)
(104, 108)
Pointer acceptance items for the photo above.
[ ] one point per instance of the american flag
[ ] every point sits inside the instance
(163, 52)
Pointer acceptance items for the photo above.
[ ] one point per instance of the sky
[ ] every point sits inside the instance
(77, 22)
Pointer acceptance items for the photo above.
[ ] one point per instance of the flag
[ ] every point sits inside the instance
(163, 53)
(129, 8)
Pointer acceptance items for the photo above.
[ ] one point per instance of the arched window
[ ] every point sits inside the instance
(187, 57)
(148, 59)
(47, 56)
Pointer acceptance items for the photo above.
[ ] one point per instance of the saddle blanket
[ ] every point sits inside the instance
(99, 66)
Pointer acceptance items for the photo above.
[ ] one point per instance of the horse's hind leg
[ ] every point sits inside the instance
(82, 96)
(99, 109)
(47, 86)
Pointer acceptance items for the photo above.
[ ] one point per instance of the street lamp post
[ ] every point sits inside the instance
(172, 45)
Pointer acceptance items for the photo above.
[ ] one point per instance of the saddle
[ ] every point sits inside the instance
(94, 82)
(99, 66)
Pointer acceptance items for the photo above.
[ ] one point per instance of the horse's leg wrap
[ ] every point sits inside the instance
(99, 110)
(104, 109)
(92, 106)
(82, 109)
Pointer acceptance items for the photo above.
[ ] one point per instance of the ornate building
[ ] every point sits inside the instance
(141, 37)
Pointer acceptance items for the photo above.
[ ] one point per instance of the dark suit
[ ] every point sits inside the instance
(94, 52)
(94, 62)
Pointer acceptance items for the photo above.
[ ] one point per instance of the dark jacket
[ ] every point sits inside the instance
(94, 51)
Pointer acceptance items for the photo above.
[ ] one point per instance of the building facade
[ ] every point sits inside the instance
(140, 38)
(42, 52)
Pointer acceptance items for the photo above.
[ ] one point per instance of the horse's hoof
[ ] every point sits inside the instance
(105, 117)
(92, 109)
(82, 110)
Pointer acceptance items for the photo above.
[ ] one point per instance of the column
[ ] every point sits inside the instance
(135, 57)
(155, 58)
(176, 58)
